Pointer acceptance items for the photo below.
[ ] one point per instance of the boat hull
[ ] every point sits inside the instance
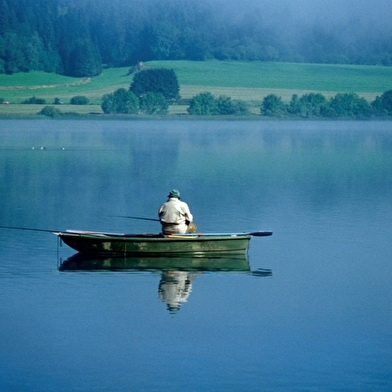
(155, 244)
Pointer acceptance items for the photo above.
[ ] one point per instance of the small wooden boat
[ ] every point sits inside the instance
(195, 244)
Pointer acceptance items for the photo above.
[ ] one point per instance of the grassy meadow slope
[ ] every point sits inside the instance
(250, 82)
(253, 80)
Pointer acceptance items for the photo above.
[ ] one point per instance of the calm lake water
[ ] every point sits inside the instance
(308, 310)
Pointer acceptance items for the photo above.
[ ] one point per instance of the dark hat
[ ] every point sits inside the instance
(174, 193)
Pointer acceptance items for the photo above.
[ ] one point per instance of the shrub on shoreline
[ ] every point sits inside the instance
(50, 111)
(342, 105)
(34, 101)
(79, 100)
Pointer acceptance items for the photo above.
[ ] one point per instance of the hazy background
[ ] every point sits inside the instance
(79, 38)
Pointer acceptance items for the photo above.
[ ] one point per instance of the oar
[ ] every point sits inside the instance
(28, 228)
(253, 233)
(261, 233)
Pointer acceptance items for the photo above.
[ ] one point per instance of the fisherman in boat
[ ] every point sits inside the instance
(175, 216)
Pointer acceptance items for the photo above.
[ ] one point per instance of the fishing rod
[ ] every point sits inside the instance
(28, 229)
(138, 217)
(191, 226)
(55, 231)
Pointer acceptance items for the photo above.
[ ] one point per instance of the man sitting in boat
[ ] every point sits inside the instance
(174, 215)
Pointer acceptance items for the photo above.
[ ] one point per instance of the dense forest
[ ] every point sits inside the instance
(79, 37)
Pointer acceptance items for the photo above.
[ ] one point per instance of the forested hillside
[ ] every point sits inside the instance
(79, 37)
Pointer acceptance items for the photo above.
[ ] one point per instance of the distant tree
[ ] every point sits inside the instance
(350, 105)
(80, 55)
(227, 106)
(272, 105)
(163, 39)
(121, 101)
(207, 104)
(203, 104)
(295, 106)
(79, 100)
(5, 17)
(85, 60)
(378, 107)
(34, 101)
(33, 52)
(386, 101)
(224, 105)
(50, 111)
(157, 80)
(14, 60)
(153, 103)
(308, 105)
(240, 108)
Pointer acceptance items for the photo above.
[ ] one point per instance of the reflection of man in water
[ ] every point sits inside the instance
(174, 288)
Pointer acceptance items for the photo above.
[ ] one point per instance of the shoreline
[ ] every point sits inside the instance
(177, 117)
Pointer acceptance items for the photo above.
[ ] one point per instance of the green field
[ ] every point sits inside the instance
(250, 82)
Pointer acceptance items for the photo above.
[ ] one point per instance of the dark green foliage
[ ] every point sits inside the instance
(35, 101)
(224, 105)
(342, 105)
(378, 107)
(382, 106)
(76, 37)
(386, 101)
(153, 103)
(272, 105)
(349, 105)
(79, 100)
(309, 105)
(240, 108)
(227, 106)
(203, 104)
(157, 80)
(121, 101)
(50, 111)
(84, 60)
(206, 104)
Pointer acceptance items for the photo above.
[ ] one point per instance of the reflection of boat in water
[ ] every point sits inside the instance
(177, 273)
(80, 261)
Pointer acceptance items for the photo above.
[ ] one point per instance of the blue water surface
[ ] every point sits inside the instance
(311, 311)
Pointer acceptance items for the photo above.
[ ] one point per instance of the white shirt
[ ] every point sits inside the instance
(174, 212)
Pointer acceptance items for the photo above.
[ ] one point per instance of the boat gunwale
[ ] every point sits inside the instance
(151, 237)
